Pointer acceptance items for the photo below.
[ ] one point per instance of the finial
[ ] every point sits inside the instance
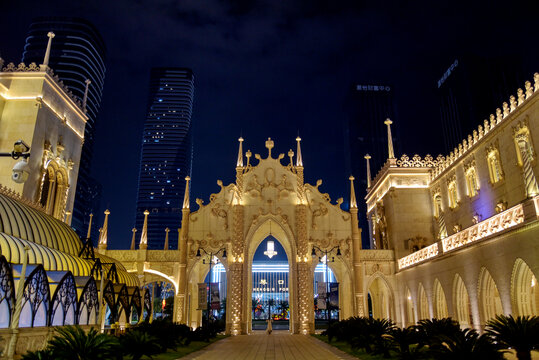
(144, 236)
(248, 155)
(68, 217)
(299, 159)
(269, 145)
(134, 230)
(167, 230)
(388, 122)
(85, 98)
(50, 34)
(368, 157)
(186, 195)
(291, 155)
(353, 201)
(103, 236)
(239, 163)
(90, 227)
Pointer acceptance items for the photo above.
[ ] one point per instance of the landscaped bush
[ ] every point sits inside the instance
(438, 338)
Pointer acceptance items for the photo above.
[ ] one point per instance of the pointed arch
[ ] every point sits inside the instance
(381, 299)
(524, 291)
(440, 302)
(423, 303)
(7, 292)
(410, 318)
(461, 303)
(88, 304)
(64, 302)
(489, 298)
(36, 299)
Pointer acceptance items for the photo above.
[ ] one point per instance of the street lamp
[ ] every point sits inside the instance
(326, 253)
(211, 255)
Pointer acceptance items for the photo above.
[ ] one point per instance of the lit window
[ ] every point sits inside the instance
(452, 193)
(472, 184)
(437, 205)
(494, 165)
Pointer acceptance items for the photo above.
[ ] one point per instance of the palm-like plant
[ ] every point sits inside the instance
(521, 333)
(465, 344)
(137, 344)
(74, 344)
(403, 339)
(39, 355)
(430, 329)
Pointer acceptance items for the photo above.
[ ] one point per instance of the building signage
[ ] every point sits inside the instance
(215, 299)
(321, 300)
(202, 296)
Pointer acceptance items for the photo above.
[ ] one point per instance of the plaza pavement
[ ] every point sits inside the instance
(279, 345)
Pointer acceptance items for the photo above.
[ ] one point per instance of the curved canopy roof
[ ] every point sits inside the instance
(24, 222)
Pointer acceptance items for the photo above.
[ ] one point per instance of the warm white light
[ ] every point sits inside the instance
(270, 250)
(533, 281)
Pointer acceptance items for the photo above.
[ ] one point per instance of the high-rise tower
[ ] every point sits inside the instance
(77, 55)
(166, 154)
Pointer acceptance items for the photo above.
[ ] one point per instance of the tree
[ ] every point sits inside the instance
(138, 343)
(402, 341)
(521, 333)
(39, 355)
(73, 343)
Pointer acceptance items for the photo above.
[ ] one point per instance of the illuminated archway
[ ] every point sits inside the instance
(423, 303)
(524, 292)
(440, 303)
(461, 303)
(379, 294)
(489, 298)
(410, 319)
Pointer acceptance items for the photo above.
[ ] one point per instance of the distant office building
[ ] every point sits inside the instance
(366, 108)
(77, 54)
(166, 153)
(470, 88)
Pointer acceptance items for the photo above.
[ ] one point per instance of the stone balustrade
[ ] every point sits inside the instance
(419, 256)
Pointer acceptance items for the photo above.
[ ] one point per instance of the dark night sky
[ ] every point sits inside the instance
(273, 68)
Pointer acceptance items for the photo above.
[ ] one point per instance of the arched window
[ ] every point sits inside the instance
(410, 319)
(7, 293)
(88, 304)
(489, 298)
(461, 303)
(437, 200)
(452, 193)
(524, 292)
(440, 303)
(423, 303)
(35, 303)
(525, 156)
(64, 302)
(472, 183)
(494, 165)
(54, 189)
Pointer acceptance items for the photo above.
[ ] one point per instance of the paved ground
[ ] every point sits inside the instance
(279, 345)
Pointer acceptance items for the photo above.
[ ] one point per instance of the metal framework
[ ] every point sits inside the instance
(64, 298)
(7, 287)
(88, 302)
(36, 294)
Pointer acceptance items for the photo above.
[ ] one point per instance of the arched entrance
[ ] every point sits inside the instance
(283, 269)
(489, 298)
(379, 299)
(440, 303)
(326, 308)
(270, 290)
(524, 293)
(162, 298)
(461, 303)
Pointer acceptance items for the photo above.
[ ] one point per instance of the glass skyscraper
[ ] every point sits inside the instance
(166, 154)
(77, 53)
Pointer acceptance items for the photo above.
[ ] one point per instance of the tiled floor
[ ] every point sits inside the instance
(279, 345)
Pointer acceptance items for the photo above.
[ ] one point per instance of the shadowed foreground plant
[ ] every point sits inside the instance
(403, 341)
(521, 333)
(39, 355)
(137, 344)
(72, 343)
(466, 344)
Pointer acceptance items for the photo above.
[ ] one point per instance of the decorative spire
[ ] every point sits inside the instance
(85, 98)
(368, 157)
(50, 34)
(299, 159)
(186, 195)
(90, 227)
(353, 201)
(248, 155)
(103, 236)
(388, 122)
(269, 144)
(68, 217)
(167, 230)
(144, 236)
(291, 155)
(239, 163)
(134, 230)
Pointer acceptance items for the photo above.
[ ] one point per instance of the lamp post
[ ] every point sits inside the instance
(211, 255)
(326, 253)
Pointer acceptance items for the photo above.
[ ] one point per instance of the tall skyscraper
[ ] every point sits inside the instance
(366, 108)
(471, 88)
(77, 54)
(166, 154)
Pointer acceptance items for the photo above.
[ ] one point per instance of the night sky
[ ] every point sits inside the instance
(274, 69)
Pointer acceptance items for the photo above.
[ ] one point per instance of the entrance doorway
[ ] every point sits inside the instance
(270, 295)
(324, 282)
